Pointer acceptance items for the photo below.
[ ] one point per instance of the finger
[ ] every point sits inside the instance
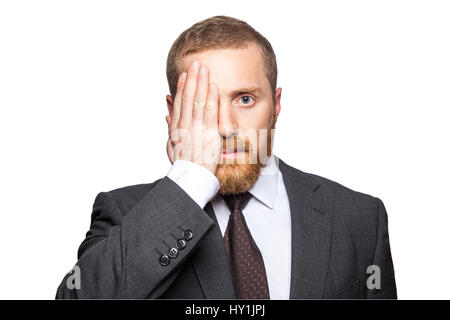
(201, 94)
(188, 96)
(177, 103)
(212, 107)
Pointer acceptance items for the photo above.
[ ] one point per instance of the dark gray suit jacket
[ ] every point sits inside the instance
(336, 234)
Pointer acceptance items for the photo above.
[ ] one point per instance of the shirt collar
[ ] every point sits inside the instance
(265, 188)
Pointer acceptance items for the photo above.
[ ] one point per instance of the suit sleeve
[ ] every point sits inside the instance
(121, 255)
(382, 259)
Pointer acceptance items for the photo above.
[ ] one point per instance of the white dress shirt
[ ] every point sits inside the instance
(267, 215)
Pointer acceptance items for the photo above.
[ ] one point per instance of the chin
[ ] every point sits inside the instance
(239, 175)
(237, 178)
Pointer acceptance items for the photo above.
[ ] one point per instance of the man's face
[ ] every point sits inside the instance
(247, 113)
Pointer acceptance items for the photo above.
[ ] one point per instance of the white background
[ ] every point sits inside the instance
(366, 98)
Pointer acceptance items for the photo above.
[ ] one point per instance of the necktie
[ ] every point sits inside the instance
(244, 257)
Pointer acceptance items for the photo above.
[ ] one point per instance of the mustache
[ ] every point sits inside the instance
(236, 145)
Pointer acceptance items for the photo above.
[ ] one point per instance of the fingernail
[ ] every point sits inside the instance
(183, 77)
(202, 70)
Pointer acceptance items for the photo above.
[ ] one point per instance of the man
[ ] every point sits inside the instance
(230, 219)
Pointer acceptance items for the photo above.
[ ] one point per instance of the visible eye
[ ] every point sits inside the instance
(246, 100)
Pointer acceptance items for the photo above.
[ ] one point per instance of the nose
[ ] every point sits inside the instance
(227, 121)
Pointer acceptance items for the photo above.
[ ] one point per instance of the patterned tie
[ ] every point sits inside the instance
(244, 257)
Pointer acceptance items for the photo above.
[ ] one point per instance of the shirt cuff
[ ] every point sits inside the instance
(198, 182)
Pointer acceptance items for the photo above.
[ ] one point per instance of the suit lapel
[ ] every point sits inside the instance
(211, 265)
(311, 219)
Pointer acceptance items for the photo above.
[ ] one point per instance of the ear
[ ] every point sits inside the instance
(277, 102)
(169, 101)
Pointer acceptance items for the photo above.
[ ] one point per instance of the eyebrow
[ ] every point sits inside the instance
(252, 90)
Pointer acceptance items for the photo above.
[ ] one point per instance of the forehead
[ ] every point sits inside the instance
(233, 68)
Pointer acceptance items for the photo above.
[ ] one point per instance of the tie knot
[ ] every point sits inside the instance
(237, 201)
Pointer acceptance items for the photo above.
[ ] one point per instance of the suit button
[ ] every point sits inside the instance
(188, 235)
(164, 260)
(173, 253)
(181, 244)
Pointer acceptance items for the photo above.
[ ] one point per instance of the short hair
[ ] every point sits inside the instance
(219, 32)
